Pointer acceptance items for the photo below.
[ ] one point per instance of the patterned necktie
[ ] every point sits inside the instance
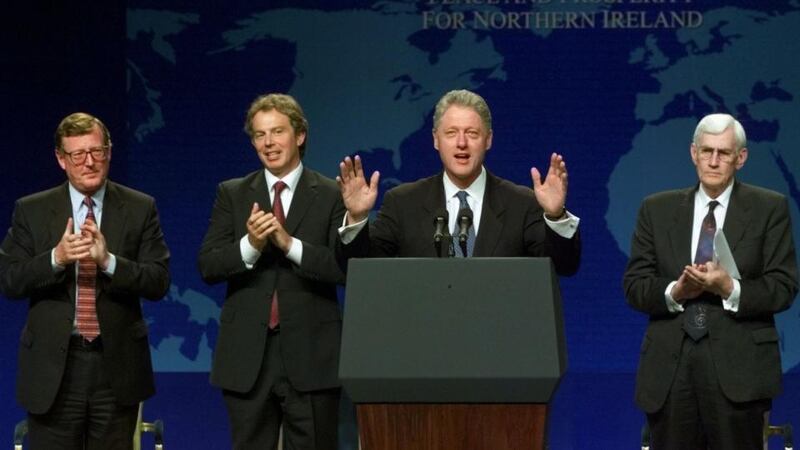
(462, 198)
(695, 320)
(277, 210)
(86, 309)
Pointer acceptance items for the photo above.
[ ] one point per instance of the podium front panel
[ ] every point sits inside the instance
(474, 330)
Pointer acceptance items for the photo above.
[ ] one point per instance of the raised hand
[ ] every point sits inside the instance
(552, 192)
(358, 195)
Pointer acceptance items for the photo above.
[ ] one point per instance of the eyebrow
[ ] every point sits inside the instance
(716, 148)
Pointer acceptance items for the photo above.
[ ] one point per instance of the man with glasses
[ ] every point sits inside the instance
(84, 253)
(710, 361)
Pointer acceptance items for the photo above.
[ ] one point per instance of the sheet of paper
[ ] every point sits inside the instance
(723, 255)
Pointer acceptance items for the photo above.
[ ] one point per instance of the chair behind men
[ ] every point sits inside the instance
(784, 430)
(156, 427)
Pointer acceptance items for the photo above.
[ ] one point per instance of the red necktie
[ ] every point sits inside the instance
(277, 210)
(86, 309)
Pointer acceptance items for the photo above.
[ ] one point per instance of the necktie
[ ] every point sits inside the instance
(462, 198)
(277, 210)
(695, 320)
(86, 309)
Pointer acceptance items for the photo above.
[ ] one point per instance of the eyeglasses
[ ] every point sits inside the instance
(79, 156)
(723, 155)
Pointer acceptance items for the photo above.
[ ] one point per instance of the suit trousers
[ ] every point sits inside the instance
(85, 414)
(310, 419)
(698, 416)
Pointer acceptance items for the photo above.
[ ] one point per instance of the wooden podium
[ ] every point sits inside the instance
(443, 354)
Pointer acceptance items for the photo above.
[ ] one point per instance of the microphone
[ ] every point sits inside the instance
(440, 222)
(464, 222)
(441, 234)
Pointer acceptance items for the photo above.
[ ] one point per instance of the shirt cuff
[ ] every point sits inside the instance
(566, 227)
(349, 232)
(295, 254)
(56, 267)
(249, 253)
(112, 265)
(732, 303)
(672, 305)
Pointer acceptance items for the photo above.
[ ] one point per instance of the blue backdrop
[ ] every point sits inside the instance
(615, 85)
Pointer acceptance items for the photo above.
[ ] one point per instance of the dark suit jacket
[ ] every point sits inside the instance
(511, 224)
(744, 344)
(310, 317)
(133, 233)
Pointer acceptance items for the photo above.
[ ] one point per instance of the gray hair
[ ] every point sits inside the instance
(464, 98)
(717, 124)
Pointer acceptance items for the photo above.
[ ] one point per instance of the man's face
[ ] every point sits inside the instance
(89, 175)
(277, 144)
(462, 142)
(717, 161)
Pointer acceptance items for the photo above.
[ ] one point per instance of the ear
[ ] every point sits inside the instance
(435, 140)
(62, 159)
(300, 139)
(489, 140)
(741, 158)
(693, 153)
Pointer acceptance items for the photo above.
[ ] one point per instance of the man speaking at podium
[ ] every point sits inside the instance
(486, 215)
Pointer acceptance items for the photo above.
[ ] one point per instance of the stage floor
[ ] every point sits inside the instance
(589, 411)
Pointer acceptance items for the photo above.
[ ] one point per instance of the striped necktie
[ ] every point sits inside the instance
(86, 309)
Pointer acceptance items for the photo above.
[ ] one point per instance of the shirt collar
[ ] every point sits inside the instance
(723, 199)
(475, 190)
(291, 179)
(77, 198)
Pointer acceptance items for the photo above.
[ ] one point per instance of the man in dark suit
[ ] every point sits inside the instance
(84, 358)
(507, 219)
(271, 239)
(710, 362)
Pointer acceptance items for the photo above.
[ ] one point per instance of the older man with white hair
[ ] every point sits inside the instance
(710, 361)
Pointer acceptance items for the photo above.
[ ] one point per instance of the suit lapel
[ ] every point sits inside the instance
(259, 193)
(61, 209)
(681, 232)
(434, 199)
(491, 223)
(431, 201)
(737, 217)
(113, 221)
(304, 196)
